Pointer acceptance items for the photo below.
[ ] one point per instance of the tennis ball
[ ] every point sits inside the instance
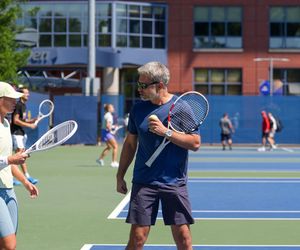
(153, 118)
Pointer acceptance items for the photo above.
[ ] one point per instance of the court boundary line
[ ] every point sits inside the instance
(114, 214)
(88, 246)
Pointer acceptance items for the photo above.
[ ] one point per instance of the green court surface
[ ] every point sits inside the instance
(77, 196)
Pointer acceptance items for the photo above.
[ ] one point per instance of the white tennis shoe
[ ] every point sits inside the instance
(100, 162)
(114, 164)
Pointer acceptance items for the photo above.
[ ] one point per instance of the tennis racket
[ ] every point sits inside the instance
(45, 109)
(54, 137)
(186, 114)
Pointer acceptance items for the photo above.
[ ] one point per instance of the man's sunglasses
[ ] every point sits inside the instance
(142, 85)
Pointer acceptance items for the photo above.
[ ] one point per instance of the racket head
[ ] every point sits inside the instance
(54, 137)
(188, 112)
(46, 108)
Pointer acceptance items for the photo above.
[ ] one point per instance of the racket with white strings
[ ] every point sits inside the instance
(54, 137)
(119, 126)
(186, 114)
(45, 109)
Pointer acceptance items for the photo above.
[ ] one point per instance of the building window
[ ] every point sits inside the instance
(218, 81)
(140, 26)
(284, 28)
(137, 25)
(286, 81)
(217, 27)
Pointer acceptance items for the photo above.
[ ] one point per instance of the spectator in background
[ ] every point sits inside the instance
(108, 137)
(273, 128)
(19, 121)
(265, 130)
(226, 131)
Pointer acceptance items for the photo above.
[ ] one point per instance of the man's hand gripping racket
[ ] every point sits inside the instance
(186, 114)
(45, 109)
(54, 137)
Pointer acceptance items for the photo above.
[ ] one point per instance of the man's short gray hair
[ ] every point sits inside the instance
(155, 71)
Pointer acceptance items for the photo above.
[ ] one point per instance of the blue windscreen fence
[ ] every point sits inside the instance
(244, 112)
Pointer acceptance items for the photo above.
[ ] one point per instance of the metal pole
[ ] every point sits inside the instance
(91, 53)
(271, 77)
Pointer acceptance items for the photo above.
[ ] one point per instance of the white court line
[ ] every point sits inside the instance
(88, 246)
(288, 150)
(114, 214)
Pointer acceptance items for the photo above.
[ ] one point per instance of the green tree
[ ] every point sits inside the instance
(12, 57)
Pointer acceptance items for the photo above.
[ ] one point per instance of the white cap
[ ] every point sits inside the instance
(8, 91)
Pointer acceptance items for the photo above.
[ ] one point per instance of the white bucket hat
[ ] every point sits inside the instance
(8, 91)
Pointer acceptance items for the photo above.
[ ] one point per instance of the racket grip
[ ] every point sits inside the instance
(156, 153)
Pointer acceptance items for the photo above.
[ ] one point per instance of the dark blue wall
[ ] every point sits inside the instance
(244, 112)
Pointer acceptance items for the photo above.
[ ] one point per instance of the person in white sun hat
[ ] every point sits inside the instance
(8, 169)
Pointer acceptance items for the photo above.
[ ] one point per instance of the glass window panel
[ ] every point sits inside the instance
(46, 10)
(60, 25)
(201, 75)
(293, 29)
(60, 9)
(122, 25)
(103, 9)
(293, 75)
(134, 11)
(202, 88)
(121, 10)
(104, 40)
(159, 42)
(147, 27)
(45, 25)
(30, 23)
(277, 14)
(85, 26)
(159, 12)
(201, 14)
(74, 25)
(201, 42)
(277, 29)
(201, 29)
(293, 14)
(85, 40)
(121, 41)
(234, 14)
(234, 42)
(293, 42)
(234, 75)
(75, 40)
(218, 42)
(147, 42)
(218, 29)
(45, 41)
(76, 9)
(146, 11)
(134, 41)
(159, 28)
(234, 89)
(217, 75)
(134, 26)
(234, 29)
(104, 25)
(276, 42)
(217, 89)
(60, 40)
(217, 14)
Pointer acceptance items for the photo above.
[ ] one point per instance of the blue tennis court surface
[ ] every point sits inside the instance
(235, 198)
(240, 198)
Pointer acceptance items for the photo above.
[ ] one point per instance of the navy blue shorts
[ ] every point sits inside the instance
(144, 204)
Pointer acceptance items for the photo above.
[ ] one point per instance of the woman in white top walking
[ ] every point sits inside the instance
(108, 137)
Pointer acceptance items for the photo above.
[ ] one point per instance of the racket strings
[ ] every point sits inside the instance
(56, 136)
(188, 113)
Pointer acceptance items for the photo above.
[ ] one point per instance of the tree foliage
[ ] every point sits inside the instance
(11, 56)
